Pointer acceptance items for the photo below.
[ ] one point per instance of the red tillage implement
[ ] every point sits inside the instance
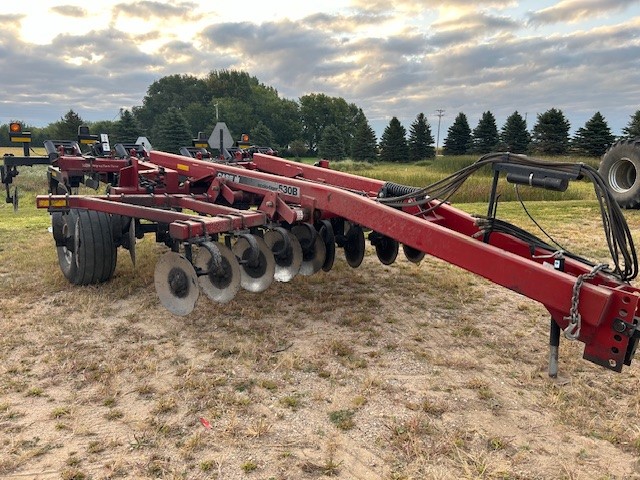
(231, 225)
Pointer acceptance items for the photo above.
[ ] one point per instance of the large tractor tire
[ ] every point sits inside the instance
(620, 169)
(86, 251)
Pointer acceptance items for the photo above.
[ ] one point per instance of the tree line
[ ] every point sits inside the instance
(176, 107)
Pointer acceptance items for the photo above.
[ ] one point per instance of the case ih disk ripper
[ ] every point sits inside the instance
(244, 224)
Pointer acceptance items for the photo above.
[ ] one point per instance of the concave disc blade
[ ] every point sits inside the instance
(176, 283)
(132, 240)
(326, 232)
(354, 246)
(288, 262)
(222, 282)
(413, 255)
(313, 249)
(258, 276)
(387, 250)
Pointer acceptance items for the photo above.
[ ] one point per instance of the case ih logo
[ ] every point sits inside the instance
(229, 176)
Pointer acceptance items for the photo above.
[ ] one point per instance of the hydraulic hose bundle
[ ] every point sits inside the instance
(616, 229)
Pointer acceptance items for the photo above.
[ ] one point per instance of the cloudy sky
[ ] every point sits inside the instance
(390, 57)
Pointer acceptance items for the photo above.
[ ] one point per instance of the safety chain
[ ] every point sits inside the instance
(572, 332)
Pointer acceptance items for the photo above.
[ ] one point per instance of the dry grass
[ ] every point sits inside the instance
(401, 372)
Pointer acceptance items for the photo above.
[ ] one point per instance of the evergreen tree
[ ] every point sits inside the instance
(633, 128)
(261, 135)
(551, 133)
(364, 142)
(514, 135)
(485, 135)
(331, 144)
(458, 141)
(67, 127)
(127, 129)
(594, 138)
(393, 144)
(171, 132)
(420, 139)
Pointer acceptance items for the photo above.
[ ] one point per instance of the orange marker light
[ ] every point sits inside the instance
(15, 127)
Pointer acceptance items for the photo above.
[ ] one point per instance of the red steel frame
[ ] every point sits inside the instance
(290, 192)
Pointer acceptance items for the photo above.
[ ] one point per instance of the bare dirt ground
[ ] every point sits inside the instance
(416, 372)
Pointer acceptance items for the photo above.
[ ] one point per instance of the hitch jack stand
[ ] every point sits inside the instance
(554, 344)
(554, 329)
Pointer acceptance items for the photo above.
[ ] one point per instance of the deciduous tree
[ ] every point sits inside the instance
(298, 148)
(261, 135)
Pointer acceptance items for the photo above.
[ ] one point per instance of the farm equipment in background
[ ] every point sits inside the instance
(245, 224)
(63, 180)
(243, 149)
(102, 164)
(10, 162)
(198, 149)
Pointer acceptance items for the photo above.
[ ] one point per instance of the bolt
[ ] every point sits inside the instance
(619, 326)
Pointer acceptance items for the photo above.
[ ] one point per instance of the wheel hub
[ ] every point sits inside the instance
(622, 175)
(178, 282)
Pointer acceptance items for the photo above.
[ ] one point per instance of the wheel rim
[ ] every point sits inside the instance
(69, 257)
(622, 175)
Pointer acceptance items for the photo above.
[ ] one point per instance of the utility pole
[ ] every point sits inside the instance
(440, 114)
(216, 105)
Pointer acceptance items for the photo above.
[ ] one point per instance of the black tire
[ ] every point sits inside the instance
(620, 169)
(89, 254)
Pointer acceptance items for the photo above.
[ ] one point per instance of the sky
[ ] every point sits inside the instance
(390, 57)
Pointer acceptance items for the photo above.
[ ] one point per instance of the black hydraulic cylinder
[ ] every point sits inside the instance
(549, 183)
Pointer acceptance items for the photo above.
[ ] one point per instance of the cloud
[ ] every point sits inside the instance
(179, 52)
(11, 20)
(282, 50)
(69, 11)
(344, 23)
(477, 26)
(146, 9)
(108, 73)
(478, 20)
(384, 6)
(578, 10)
